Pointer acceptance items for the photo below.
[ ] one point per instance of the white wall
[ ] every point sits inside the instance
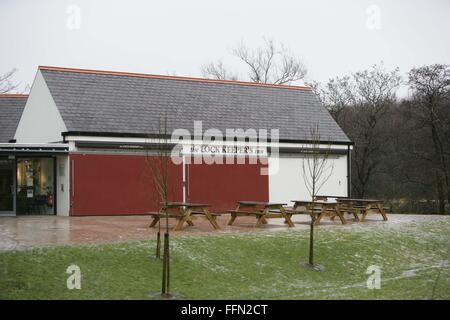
(62, 185)
(41, 121)
(287, 184)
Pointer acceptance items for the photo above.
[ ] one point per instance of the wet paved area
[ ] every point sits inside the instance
(28, 231)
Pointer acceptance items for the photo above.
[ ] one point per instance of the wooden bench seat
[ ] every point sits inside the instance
(292, 211)
(214, 214)
(161, 214)
(245, 213)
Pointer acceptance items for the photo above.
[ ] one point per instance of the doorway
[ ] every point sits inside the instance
(7, 186)
(35, 186)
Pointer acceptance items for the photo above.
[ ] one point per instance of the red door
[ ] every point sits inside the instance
(105, 184)
(222, 185)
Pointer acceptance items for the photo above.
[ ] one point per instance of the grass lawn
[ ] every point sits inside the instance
(263, 265)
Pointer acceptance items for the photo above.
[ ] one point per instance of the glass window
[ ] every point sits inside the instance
(35, 184)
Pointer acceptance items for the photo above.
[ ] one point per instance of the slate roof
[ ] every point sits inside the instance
(123, 103)
(11, 108)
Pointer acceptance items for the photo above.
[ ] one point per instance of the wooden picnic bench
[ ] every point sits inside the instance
(261, 210)
(183, 212)
(363, 206)
(321, 209)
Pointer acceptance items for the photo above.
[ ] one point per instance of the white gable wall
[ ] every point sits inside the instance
(41, 121)
(287, 183)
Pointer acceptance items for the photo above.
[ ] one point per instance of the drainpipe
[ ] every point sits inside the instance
(349, 172)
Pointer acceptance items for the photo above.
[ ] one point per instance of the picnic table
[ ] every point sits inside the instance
(321, 209)
(183, 212)
(262, 211)
(364, 206)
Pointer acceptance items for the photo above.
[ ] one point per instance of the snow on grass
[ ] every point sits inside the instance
(413, 255)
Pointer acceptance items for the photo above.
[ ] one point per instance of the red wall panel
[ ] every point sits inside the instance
(117, 184)
(222, 185)
(122, 184)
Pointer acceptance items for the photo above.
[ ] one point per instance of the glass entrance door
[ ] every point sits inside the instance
(7, 187)
(35, 185)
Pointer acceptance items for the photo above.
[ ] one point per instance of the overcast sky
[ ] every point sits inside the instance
(179, 36)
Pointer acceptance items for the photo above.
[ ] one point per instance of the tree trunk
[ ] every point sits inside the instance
(439, 149)
(440, 193)
(313, 220)
(311, 240)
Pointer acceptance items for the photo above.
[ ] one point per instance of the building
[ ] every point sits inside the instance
(84, 140)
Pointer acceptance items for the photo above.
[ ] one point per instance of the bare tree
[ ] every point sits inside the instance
(431, 92)
(157, 162)
(316, 170)
(269, 63)
(216, 70)
(6, 82)
(336, 96)
(402, 148)
(359, 104)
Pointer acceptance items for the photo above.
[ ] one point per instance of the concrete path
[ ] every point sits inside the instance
(29, 231)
